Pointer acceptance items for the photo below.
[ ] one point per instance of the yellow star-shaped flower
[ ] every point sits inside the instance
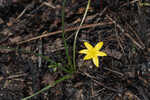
(93, 52)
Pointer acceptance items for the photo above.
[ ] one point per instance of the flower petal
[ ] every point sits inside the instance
(83, 51)
(101, 53)
(98, 45)
(87, 45)
(96, 61)
(87, 57)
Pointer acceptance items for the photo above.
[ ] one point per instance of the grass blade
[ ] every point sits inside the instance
(47, 87)
(36, 54)
(63, 34)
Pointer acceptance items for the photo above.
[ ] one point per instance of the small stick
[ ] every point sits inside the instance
(126, 34)
(60, 31)
(119, 73)
(99, 83)
(139, 39)
(133, 40)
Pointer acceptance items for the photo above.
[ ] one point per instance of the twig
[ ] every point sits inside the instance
(16, 76)
(109, 88)
(139, 39)
(40, 45)
(101, 84)
(126, 34)
(22, 13)
(60, 31)
(49, 4)
(133, 40)
(119, 73)
(122, 30)
(131, 2)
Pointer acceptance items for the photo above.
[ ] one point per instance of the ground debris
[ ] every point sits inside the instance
(35, 26)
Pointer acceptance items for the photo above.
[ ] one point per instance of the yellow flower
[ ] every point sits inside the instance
(93, 52)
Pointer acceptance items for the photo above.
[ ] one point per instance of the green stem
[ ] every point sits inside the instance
(47, 87)
(63, 34)
(76, 35)
(36, 54)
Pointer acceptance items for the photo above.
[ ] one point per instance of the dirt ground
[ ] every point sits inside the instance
(35, 25)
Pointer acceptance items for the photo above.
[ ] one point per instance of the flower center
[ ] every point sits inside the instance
(92, 53)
